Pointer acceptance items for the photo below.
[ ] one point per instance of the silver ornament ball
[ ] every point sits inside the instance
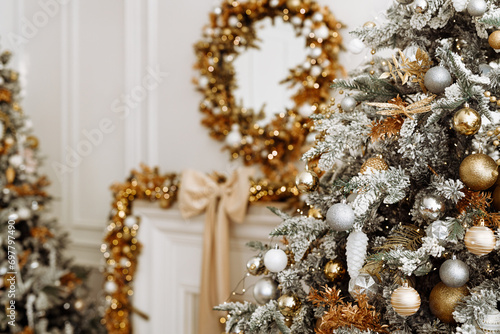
(348, 104)
(477, 7)
(255, 265)
(420, 6)
(484, 69)
(405, 2)
(340, 217)
(265, 289)
(363, 284)
(437, 79)
(454, 273)
(438, 230)
(431, 207)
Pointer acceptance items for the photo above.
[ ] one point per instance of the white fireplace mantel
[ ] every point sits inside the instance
(167, 282)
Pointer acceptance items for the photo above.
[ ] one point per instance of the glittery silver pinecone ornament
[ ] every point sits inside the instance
(357, 243)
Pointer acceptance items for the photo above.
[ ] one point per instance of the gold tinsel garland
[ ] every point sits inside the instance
(121, 247)
(276, 145)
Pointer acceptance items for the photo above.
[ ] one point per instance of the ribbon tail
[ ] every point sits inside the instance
(215, 283)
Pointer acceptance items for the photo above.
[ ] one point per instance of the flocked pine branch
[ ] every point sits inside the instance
(369, 87)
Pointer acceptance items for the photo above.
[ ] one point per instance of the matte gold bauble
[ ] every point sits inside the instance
(373, 164)
(306, 181)
(405, 301)
(443, 300)
(289, 305)
(334, 270)
(478, 171)
(479, 240)
(467, 121)
(494, 39)
(496, 198)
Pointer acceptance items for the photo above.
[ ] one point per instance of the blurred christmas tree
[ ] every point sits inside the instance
(40, 290)
(408, 189)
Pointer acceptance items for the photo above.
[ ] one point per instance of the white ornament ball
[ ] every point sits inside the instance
(16, 160)
(340, 217)
(480, 240)
(203, 81)
(265, 290)
(317, 17)
(356, 46)
(233, 139)
(274, 3)
(296, 21)
(437, 79)
(130, 221)
(477, 7)
(316, 71)
(233, 21)
(405, 301)
(110, 287)
(348, 104)
(24, 212)
(275, 260)
(315, 52)
(459, 5)
(454, 273)
(322, 32)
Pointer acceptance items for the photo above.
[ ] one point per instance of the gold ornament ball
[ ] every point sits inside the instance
(293, 4)
(478, 171)
(479, 240)
(289, 305)
(443, 300)
(494, 39)
(334, 270)
(496, 198)
(373, 164)
(467, 121)
(306, 181)
(405, 301)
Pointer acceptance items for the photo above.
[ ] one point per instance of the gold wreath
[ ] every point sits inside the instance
(278, 144)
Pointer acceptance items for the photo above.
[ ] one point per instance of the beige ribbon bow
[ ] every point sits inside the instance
(222, 202)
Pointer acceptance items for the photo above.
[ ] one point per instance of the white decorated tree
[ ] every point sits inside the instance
(403, 231)
(41, 291)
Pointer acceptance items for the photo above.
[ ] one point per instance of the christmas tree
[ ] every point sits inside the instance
(40, 290)
(402, 235)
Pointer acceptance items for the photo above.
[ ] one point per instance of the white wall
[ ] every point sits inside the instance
(79, 58)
